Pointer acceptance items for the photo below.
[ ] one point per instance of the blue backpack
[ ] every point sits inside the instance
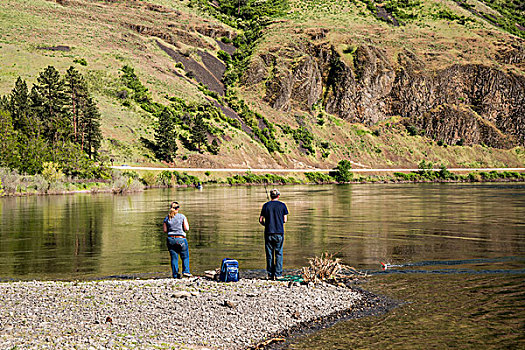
(229, 270)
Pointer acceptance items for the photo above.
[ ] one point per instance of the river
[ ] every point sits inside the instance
(457, 250)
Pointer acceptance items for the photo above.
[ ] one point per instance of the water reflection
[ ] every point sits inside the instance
(84, 235)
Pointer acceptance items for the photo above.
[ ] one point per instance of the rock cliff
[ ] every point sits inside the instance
(467, 104)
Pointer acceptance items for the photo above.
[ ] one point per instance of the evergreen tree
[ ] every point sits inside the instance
(34, 151)
(21, 145)
(49, 100)
(214, 147)
(91, 135)
(77, 92)
(20, 108)
(57, 121)
(130, 79)
(8, 147)
(166, 135)
(199, 131)
(85, 116)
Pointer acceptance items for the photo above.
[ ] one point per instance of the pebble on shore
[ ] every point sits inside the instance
(192, 313)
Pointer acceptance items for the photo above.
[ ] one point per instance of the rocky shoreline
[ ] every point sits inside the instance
(192, 313)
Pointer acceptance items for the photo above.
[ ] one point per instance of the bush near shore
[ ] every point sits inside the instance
(53, 181)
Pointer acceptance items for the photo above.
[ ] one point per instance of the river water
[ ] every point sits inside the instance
(457, 251)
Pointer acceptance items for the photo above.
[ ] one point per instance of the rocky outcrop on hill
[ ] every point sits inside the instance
(488, 95)
(472, 103)
(209, 73)
(459, 125)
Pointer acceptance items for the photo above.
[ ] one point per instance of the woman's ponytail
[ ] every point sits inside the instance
(174, 207)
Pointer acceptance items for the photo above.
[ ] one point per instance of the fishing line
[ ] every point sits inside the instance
(386, 265)
(447, 271)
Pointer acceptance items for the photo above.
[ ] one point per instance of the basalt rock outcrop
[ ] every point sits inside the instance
(459, 125)
(471, 104)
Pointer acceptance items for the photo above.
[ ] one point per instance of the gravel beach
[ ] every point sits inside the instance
(192, 313)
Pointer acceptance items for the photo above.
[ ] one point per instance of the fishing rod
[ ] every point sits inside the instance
(266, 191)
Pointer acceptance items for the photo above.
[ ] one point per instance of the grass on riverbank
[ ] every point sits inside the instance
(12, 183)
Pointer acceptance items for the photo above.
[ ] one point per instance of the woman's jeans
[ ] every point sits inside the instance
(176, 246)
(273, 244)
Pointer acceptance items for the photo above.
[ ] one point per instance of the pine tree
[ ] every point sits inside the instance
(214, 147)
(8, 147)
(19, 106)
(76, 89)
(166, 135)
(21, 147)
(199, 131)
(91, 135)
(130, 79)
(49, 100)
(85, 116)
(34, 151)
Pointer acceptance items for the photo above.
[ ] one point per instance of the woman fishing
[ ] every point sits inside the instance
(176, 225)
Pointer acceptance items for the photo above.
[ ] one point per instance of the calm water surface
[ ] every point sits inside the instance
(460, 249)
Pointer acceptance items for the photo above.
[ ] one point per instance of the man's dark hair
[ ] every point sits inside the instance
(274, 193)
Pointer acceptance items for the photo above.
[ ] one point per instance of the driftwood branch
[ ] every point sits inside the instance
(325, 268)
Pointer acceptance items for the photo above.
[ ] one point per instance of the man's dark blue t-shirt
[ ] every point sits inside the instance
(274, 212)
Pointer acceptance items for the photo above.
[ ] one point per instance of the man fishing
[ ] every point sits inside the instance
(274, 215)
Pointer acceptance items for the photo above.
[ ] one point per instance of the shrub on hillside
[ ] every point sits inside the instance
(123, 182)
(165, 178)
(149, 179)
(52, 172)
(251, 178)
(445, 174)
(411, 177)
(11, 180)
(474, 177)
(318, 178)
(185, 179)
(81, 61)
(342, 172)
(412, 130)
(224, 56)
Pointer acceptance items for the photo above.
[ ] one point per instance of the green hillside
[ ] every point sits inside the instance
(261, 84)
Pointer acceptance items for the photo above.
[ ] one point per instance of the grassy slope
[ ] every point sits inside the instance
(96, 31)
(440, 42)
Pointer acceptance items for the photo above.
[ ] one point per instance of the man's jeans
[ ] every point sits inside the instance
(176, 246)
(273, 244)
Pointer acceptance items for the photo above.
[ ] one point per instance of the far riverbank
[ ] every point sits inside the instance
(133, 179)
